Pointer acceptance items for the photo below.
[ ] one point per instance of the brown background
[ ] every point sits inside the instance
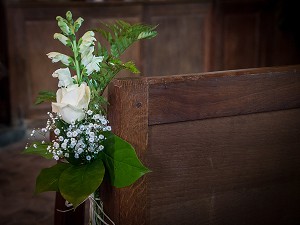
(194, 36)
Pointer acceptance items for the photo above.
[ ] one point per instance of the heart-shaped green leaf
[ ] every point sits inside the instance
(79, 181)
(121, 161)
(37, 148)
(48, 178)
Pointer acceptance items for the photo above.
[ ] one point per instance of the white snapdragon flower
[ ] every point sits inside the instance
(87, 40)
(62, 38)
(63, 25)
(56, 57)
(87, 56)
(64, 77)
(94, 65)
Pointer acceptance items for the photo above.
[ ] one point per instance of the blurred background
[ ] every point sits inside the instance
(193, 36)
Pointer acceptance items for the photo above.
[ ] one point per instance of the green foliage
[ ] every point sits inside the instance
(37, 148)
(48, 178)
(121, 161)
(44, 96)
(131, 67)
(109, 69)
(76, 183)
(121, 35)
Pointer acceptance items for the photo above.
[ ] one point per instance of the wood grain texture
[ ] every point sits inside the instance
(248, 34)
(218, 94)
(183, 41)
(241, 40)
(128, 113)
(231, 170)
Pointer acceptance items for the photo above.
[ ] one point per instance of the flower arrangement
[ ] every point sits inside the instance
(83, 141)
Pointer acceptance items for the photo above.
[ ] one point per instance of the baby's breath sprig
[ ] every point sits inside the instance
(80, 141)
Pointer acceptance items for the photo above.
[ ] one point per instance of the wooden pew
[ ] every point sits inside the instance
(223, 147)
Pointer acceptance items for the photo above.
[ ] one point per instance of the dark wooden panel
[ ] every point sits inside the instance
(255, 33)
(241, 41)
(232, 170)
(237, 34)
(182, 44)
(217, 94)
(38, 68)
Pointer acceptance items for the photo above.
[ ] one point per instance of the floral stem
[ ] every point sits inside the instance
(78, 73)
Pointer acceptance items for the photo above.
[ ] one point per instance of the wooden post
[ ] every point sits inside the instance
(64, 217)
(127, 114)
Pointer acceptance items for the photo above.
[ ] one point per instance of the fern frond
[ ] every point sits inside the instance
(44, 96)
(122, 35)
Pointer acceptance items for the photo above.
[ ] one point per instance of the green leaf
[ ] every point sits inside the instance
(122, 35)
(77, 182)
(147, 34)
(131, 67)
(37, 148)
(45, 96)
(121, 161)
(102, 51)
(48, 178)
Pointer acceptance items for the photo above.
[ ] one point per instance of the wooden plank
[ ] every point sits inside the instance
(230, 170)
(128, 113)
(218, 94)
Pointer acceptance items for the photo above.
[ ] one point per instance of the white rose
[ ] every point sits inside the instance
(71, 101)
(64, 77)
